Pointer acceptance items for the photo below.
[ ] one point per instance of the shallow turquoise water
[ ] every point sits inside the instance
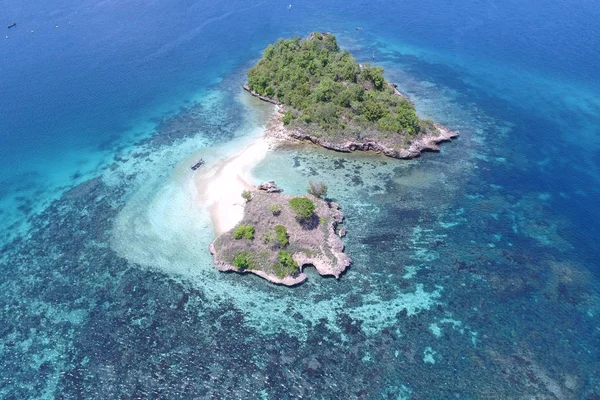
(475, 270)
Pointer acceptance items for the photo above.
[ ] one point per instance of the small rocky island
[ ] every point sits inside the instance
(329, 99)
(280, 235)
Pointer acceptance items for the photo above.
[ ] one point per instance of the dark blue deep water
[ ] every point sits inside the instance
(476, 272)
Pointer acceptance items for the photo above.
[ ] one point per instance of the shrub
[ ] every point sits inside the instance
(373, 74)
(389, 123)
(275, 209)
(303, 207)
(373, 110)
(405, 114)
(247, 195)
(269, 237)
(243, 261)
(287, 118)
(285, 265)
(282, 235)
(244, 231)
(322, 220)
(317, 189)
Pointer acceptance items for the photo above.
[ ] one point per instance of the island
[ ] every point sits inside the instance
(327, 98)
(279, 235)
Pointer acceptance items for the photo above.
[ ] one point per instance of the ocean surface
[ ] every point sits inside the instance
(476, 269)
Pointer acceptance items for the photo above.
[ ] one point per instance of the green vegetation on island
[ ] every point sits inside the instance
(275, 209)
(327, 94)
(303, 207)
(280, 234)
(244, 232)
(285, 265)
(247, 195)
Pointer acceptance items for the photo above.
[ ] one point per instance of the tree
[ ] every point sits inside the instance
(285, 265)
(373, 110)
(287, 118)
(317, 189)
(282, 235)
(325, 90)
(405, 114)
(303, 207)
(389, 123)
(247, 195)
(275, 209)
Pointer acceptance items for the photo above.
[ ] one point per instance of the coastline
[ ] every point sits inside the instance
(420, 144)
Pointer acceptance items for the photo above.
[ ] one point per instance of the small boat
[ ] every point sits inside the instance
(359, 28)
(11, 25)
(198, 164)
(289, 7)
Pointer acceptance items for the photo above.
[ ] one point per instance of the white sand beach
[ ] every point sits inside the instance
(221, 185)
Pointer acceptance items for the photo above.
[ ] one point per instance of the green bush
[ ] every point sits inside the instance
(373, 110)
(247, 195)
(275, 209)
(322, 221)
(285, 265)
(287, 118)
(243, 261)
(282, 235)
(317, 189)
(389, 124)
(244, 231)
(405, 114)
(303, 207)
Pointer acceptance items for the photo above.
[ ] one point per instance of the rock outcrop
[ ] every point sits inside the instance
(420, 144)
(269, 187)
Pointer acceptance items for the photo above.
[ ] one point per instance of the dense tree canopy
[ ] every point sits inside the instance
(324, 88)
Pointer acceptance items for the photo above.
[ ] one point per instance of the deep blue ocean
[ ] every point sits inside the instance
(476, 270)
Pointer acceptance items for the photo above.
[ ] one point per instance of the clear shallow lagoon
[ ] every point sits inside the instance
(475, 270)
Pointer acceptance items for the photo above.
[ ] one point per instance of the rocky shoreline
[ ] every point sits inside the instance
(422, 143)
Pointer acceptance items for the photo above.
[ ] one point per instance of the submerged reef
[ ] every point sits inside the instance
(280, 235)
(329, 99)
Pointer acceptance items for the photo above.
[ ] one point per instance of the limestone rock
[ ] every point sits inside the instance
(269, 187)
